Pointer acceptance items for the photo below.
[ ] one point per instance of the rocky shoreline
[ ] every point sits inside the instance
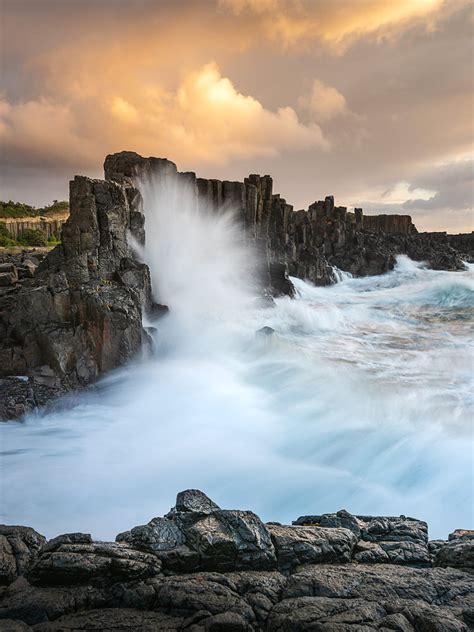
(78, 313)
(202, 568)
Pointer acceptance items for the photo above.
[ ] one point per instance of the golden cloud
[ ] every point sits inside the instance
(336, 23)
(205, 118)
(325, 102)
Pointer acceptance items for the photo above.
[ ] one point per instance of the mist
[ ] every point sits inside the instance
(359, 400)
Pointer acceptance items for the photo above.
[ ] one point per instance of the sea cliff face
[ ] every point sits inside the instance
(79, 312)
(203, 568)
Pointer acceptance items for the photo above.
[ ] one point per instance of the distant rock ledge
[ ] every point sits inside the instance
(201, 568)
(78, 313)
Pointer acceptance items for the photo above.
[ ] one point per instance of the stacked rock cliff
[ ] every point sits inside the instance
(78, 313)
(206, 569)
(81, 314)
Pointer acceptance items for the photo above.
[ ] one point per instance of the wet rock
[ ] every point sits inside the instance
(155, 576)
(228, 540)
(76, 560)
(265, 332)
(156, 310)
(196, 501)
(163, 538)
(295, 546)
(19, 550)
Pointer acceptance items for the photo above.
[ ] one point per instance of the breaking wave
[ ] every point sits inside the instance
(361, 398)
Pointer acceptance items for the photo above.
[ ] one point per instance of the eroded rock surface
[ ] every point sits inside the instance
(203, 568)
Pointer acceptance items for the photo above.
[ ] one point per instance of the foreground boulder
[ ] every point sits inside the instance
(19, 550)
(203, 568)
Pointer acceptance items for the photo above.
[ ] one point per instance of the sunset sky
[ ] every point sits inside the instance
(368, 100)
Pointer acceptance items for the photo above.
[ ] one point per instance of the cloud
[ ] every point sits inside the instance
(448, 197)
(295, 23)
(386, 88)
(325, 102)
(204, 119)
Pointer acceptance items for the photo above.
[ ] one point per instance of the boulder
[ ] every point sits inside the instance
(163, 538)
(295, 546)
(458, 552)
(228, 540)
(75, 559)
(195, 500)
(19, 550)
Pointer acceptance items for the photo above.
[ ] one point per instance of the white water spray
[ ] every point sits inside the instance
(362, 400)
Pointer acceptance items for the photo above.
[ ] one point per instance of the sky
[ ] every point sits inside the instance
(367, 100)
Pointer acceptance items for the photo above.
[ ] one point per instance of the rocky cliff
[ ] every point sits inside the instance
(50, 225)
(78, 313)
(202, 568)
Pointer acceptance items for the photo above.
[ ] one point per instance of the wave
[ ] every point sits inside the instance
(362, 398)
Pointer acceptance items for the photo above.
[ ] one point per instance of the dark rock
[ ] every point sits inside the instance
(163, 538)
(19, 550)
(458, 552)
(295, 546)
(156, 310)
(63, 562)
(195, 500)
(228, 540)
(154, 577)
(266, 331)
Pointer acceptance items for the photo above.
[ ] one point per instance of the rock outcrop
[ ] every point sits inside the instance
(78, 312)
(202, 568)
(81, 314)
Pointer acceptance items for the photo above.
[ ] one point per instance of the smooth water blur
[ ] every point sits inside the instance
(361, 399)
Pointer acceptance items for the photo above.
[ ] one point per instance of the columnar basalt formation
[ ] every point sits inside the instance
(81, 314)
(50, 226)
(78, 313)
(206, 569)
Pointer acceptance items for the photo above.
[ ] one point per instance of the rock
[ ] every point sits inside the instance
(113, 619)
(81, 315)
(163, 538)
(266, 331)
(154, 577)
(458, 552)
(156, 311)
(340, 519)
(19, 550)
(76, 560)
(295, 546)
(228, 540)
(194, 500)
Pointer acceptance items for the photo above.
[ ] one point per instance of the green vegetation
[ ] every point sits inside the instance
(19, 209)
(5, 239)
(29, 237)
(32, 237)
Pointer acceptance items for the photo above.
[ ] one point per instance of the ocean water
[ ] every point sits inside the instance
(361, 399)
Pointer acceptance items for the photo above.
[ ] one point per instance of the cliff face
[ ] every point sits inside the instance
(81, 314)
(50, 226)
(78, 313)
(304, 243)
(206, 569)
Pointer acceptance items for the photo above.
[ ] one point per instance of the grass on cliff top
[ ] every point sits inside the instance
(19, 209)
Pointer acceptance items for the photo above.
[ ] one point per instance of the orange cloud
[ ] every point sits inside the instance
(325, 102)
(337, 23)
(205, 118)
